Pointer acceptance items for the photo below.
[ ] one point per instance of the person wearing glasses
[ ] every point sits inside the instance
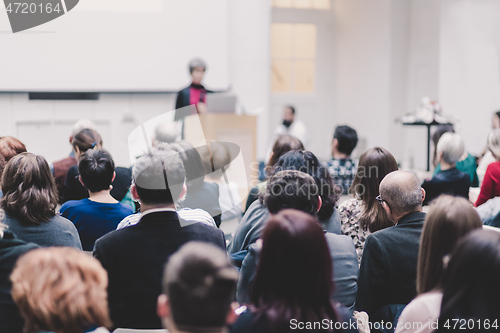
(388, 272)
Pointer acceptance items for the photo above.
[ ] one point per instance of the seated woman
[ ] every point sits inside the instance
(61, 290)
(100, 213)
(283, 144)
(449, 180)
(449, 219)
(490, 187)
(293, 282)
(11, 248)
(73, 188)
(469, 291)
(29, 203)
(363, 215)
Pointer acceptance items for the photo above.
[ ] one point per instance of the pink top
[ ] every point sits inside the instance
(197, 95)
(491, 184)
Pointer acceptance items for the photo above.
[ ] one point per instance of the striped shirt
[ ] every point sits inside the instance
(187, 214)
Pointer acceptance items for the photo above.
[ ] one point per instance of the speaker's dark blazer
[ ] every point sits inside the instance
(134, 258)
(389, 265)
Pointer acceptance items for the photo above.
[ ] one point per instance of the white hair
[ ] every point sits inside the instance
(451, 146)
(494, 142)
(166, 131)
(82, 124)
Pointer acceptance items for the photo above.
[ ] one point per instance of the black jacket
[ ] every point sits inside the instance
(451, 181)
(134, 258)
(388, 269)
(11, 248)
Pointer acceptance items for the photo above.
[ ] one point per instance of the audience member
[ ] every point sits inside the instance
(11, 248)
(30, 201)
(73, 188)
(363, 215)
(253, 222)
(297, 190)
(467, 293)
(486, 156)
(342, 167)
(60, 168)
(291, 126)
(134, 256)
(165, 132)
(449, 219)
(10, 147)
(283, 144)
(449, 180)
(389, 265)
(198, 289)
(467, 163)
(490, 187)
(100, 213)
(61, 290)
(293, 282)
(200, 193)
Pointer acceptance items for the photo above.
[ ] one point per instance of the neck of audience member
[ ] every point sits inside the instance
(339, 156)
(172, 328)
(103, 196)
(446, 166)
(145, 207)
(398, 216)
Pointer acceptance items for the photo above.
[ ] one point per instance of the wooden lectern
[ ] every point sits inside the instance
(223, 127)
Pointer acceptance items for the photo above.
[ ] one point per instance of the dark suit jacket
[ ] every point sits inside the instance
(74, 190)
(451, 181)
(389, 265)
(134, 258)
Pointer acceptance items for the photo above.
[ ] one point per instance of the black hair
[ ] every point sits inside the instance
(306, 161)
(96, 167)
(347, 138)
(291, 108)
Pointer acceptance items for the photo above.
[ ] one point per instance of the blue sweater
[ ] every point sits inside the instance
(94, 219)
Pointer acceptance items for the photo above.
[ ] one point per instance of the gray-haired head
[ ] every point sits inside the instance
(200, 284)
(494, 142)
(402, 192)
(159, 176)
(82, 124)
(451, 146)
(166, 132)
(197, 62)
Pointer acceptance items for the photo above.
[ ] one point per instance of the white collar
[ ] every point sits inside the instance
(156, 210)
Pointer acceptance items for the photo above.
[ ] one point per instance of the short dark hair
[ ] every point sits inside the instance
(159, 176)
(291, 108)
(283, 144)
(96, 167)
(200, 284)
(291, 189)
(347, 138)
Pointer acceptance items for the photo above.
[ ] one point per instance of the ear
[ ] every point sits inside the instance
(387, 208)
(439, 156)
(231, 315)
(114, 175)
(163, 306)
(423, 194)
(133, 191)
(320, 203)
(71, 139)
(80, 179)
(183, 191)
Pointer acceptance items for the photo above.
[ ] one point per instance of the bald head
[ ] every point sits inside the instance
(402, 192)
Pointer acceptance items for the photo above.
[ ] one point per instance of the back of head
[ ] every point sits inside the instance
(466, 292)
(291, 189)
(82, 124)
(10, 147)
(159, 176)
(440, 130)
(87, 139)
(166, 132)
(374, 165)
(96, 167)
(294, 274)
(60, 289)
(451, 146)
(402, 192)
(494, 142)
(347, 139)
(193, 165)
(305, 161)
(29, 190)
(282, 145)
(448, 220)
(200, 284)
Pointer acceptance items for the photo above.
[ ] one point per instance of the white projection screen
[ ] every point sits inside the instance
(117, 46)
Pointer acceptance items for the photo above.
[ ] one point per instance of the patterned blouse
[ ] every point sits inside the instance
(350, 212)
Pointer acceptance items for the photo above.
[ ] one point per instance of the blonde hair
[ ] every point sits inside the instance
(494, 142)
(60, 289)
